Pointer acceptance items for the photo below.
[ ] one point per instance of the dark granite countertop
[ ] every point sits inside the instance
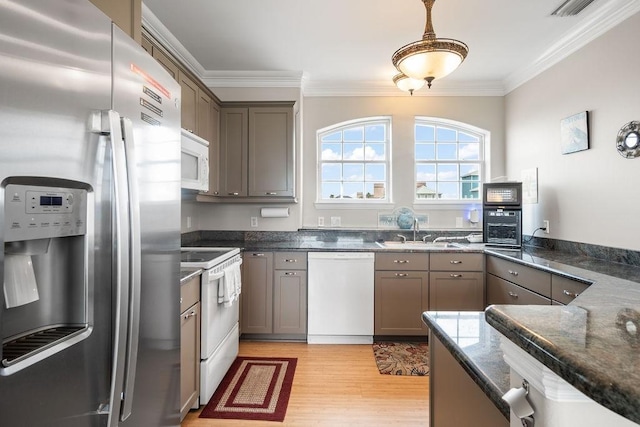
(476, 346)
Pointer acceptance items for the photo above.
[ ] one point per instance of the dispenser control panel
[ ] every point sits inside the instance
(38, 212)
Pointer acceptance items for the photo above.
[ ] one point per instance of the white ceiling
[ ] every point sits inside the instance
(344, 47)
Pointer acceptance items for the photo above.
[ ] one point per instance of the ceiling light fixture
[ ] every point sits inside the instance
(430, 58)
(407, 83)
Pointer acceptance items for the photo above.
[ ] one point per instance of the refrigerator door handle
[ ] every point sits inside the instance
(112, 127)
(134, 269)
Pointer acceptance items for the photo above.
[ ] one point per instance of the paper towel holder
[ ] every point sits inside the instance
(274, 212)
(520, 406)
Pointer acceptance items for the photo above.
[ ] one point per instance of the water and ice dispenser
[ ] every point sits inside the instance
(46, 282)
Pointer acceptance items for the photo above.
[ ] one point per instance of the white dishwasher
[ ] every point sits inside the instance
(340, 298)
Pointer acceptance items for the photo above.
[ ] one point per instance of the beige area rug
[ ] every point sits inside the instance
(255, 388)
(402, 358)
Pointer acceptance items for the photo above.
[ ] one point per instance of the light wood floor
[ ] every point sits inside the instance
(337, 385)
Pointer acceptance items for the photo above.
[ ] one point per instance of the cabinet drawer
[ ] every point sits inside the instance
(290, 260)
(189, 293)
(530, 278)
(565, 290)
(500, 291)
(405, 261)
(453, 261)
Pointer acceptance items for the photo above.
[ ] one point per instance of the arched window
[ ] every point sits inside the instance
(449, 160)
(354, 160)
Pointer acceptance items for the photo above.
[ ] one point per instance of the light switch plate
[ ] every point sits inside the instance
(335, 221)
(254, 221)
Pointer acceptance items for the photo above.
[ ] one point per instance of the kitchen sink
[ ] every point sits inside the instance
(396, 244)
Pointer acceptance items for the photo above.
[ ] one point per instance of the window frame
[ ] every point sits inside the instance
(484, 141)
(363, 203)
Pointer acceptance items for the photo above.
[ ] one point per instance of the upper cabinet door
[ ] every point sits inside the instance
(233, 151)
(271, 152)
(189, 102)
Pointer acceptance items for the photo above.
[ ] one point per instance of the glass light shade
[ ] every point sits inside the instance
(406, 83)
(430, 58)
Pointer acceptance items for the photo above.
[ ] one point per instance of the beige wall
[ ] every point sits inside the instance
(590, 196)
(482, 112)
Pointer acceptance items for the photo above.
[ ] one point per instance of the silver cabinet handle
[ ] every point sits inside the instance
(257, 254)
(401, 261)
(401, 274)
(512, 272)
(455, 262)
(455, 275)
(290, 273)
(570, 294)
(270, 194)
(513, 294)
(233, 194)
(215, 193)
(192, 313)
(290, 260)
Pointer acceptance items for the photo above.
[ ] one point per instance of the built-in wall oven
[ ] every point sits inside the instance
(219, 329)
(502, 214)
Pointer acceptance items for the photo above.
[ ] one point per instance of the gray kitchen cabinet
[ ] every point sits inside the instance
(126, 14)
(257, 293)
(188, 103)
(290, 293)
(456, 282)
(214, 151)
(401, 293)
(513, 283)
(274, 295)
(234, 145)
(564, 290)
(500, 291)
(189, 345)
(257, 151)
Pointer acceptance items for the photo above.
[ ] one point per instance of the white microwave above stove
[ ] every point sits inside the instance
(194, 162)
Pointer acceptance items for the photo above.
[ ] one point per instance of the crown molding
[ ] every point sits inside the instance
(162, 34)
(601, 20)
(252, 78)
(387, 88)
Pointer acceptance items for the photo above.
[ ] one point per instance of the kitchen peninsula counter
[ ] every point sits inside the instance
(586, 343)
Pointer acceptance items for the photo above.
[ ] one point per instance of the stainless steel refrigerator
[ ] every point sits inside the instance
(89, 222)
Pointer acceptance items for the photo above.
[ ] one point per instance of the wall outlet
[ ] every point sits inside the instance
(335, 221)
(320, 221)
(254, 221)
(188, 222)
(545, 224)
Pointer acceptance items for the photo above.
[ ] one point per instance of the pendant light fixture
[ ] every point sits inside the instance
(430, 58)
(407, 83)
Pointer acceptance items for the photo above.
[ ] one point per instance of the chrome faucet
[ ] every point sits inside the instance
(424, 238)
(416, 228)
(404, 239)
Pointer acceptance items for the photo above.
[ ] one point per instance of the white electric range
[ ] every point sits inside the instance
(219, 329)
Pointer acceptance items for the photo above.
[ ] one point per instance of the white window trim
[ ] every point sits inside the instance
(484, 163)
(350, 203)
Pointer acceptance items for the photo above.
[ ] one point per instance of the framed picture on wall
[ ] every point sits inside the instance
(574, 133)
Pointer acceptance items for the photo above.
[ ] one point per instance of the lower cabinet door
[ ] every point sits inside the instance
(456, 291)
(400, 299)
(290, 302)
(189, 358)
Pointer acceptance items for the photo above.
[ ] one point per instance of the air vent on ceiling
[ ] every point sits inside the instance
(571, 7)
